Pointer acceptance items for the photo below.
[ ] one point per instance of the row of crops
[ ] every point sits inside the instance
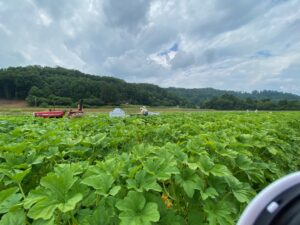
(176, 169)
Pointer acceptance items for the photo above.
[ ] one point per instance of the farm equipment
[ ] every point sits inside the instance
(49, 114)
(79, 112)
(74, 114)
(60, 113)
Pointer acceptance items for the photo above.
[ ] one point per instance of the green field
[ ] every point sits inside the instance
(187, 168)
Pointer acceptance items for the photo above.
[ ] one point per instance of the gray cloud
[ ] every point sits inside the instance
(292, 72)
(182, 60)
(135, 66)
(129, 14)
(58, 10)
(239, 45)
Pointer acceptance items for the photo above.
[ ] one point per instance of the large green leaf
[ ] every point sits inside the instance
(102, 184)
(218, 213)
(136, 211)
(8, 198)
(18, 175)
(43, 209)
(104, 214)
(33, 197)
(161, 168)
(60, 182)
(143, 182)
(17, 217)
(58, 191)
(189, 181)
(70, 204)
(243, 192)
(254, 171)
(44, 222)
(220, 171)
(203, 162)
(209, 193)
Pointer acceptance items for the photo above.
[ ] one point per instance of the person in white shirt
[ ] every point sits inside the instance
(144, 111)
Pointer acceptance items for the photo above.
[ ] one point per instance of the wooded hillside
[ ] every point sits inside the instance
(43, 86)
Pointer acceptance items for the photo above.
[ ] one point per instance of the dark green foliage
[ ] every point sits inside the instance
(199, 95)
(59, 86)
(231, 102)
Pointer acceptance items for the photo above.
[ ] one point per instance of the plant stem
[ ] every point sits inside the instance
(177, 201)
(166, 191)
(21, 189)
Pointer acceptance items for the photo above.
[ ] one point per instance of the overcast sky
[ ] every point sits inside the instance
(225, 44)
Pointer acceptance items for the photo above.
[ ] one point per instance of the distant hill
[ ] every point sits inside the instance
(199, 95)
(42, 86)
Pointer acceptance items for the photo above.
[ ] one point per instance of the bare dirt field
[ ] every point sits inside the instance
(12, 103)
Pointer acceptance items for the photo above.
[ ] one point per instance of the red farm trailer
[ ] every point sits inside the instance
(49, 114)
(60, 114)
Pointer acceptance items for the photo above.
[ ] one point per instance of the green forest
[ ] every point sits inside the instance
(47, 86)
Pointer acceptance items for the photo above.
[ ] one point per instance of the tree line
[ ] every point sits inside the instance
(231, 102)
(47, 86)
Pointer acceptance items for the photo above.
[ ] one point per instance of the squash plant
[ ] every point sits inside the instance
(181, 168)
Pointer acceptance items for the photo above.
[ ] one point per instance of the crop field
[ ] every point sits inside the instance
(174, 169)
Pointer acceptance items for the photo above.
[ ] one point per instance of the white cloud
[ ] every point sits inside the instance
(44, 18)
(240, 45)
(163, 59)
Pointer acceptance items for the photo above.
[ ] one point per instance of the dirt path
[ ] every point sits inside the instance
(12, 103)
